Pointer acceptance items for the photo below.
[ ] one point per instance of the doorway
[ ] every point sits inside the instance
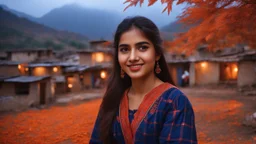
(42, 93)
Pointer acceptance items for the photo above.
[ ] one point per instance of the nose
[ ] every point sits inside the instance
(133, 56)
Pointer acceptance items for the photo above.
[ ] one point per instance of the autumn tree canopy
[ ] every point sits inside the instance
(215, 23)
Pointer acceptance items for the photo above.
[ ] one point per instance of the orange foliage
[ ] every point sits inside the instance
(217, 23)
(67, 124)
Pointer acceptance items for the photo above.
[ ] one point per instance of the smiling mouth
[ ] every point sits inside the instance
(135, 67)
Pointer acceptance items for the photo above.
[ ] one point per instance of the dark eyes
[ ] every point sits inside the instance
(140, 48)
(124, 49)
(143, 48)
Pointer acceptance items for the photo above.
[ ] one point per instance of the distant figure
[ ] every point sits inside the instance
(185, 78)
(97, 83)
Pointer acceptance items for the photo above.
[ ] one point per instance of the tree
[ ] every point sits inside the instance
(215, 23)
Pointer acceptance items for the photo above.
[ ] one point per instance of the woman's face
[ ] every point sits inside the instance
(136, 54)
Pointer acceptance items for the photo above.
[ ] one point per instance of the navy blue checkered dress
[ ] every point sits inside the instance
(171, 120)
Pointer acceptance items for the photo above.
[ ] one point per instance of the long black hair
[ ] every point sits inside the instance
(117, 85)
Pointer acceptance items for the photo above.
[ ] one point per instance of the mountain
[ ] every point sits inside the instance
(175, 27)
(17, 32)
(97, 24)
(169, 30)
(153, 13)
(19, 14)
(93, 23)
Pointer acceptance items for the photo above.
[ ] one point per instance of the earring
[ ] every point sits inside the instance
(158, 69)
(122, 74)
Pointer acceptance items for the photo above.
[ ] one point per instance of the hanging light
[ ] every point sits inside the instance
(55, 69)
(70, 85)
(103, 74)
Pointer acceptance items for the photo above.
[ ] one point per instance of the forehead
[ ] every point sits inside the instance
(133, 36)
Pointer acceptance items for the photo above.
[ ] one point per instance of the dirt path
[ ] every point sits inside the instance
(220, 114)
(219, 117)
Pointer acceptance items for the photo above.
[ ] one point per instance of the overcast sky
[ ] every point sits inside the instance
(38, 8)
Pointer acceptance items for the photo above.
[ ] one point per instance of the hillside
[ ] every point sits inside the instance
(20, 33)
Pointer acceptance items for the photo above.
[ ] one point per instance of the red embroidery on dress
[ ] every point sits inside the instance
(154, 107)
(168, 101)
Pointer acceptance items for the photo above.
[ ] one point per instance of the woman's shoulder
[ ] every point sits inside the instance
(174, 94)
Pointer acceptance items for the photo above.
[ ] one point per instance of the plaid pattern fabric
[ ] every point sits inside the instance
(169, 120)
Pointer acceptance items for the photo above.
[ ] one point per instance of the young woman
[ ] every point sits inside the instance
(141, 106)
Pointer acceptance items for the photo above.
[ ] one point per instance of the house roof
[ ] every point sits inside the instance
(80, 68)
(104, 50)
(26, 79)
(250, 55)
(2, 78)
(177, 61)
(28, 50)
(50, 64)
(247, 55)
(4, 62)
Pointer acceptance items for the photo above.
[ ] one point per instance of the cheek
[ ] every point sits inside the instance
(121, 59)
(149, 57)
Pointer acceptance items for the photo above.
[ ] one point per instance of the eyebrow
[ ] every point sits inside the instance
(137, 44)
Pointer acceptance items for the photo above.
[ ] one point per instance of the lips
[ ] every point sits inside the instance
(136, 67)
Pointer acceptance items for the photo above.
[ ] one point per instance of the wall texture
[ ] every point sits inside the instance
(207, 73)
(246, 73)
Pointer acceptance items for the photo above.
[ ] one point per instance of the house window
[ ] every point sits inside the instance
(99, 57)
(21, 88)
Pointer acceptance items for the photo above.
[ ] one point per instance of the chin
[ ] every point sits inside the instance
(137, 75)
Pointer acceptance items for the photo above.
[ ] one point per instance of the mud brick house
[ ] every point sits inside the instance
(231, 66)
(21, 92)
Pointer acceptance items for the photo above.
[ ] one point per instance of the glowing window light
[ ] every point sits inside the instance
(70, 85)
(103, 75)
(203, 64)
(99, 57)
(19, 66)
(55, 69)
(26, 69)
(236, 69)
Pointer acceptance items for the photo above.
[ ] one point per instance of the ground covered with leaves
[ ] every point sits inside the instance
(219, 116)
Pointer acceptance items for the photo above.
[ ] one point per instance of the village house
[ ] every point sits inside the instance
(100, 52)
(98, 63)
(233, 66)
(53, 69)
(87, 77)
(28, 55)
(247, 70)
(85, 69)
(21, 92)
(11, 68)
